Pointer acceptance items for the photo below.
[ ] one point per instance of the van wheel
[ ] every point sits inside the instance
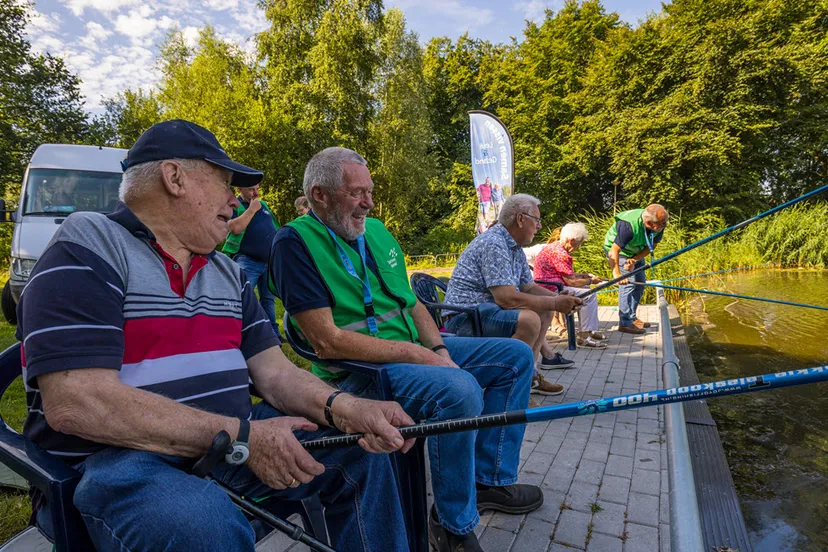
(8, 305)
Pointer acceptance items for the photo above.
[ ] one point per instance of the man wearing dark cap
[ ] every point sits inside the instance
(148, 355)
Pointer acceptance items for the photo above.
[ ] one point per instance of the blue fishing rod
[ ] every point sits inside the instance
(703, 241)
(735, 296)
(595, 406)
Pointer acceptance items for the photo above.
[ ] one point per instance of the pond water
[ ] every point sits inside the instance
(776, 442)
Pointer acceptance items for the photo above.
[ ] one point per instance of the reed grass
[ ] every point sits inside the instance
(794, 237)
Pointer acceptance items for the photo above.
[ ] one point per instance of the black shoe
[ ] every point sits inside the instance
(442, 540)
(512, 499)
(556, 361)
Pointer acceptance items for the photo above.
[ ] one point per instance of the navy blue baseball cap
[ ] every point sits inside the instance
(179, 139)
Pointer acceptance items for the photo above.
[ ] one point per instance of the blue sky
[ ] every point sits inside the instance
(112, 44)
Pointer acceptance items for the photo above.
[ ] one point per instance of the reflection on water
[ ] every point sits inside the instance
(776, 442)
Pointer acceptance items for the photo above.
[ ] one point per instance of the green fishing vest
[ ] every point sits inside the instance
(639, 239)
(233, 241)
(392, 295)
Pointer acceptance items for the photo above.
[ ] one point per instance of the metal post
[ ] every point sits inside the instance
(685, 523)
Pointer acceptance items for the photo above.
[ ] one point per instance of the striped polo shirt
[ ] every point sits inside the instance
(106, 295)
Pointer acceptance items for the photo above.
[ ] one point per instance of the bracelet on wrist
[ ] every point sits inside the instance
(439, 347)
(328, 410)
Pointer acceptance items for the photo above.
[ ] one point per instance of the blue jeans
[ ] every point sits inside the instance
(135, 500)
(497, 322)
(629, 295)
(495, 376)
(257, 276)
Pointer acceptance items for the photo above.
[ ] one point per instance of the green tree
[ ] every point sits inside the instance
(40, 99)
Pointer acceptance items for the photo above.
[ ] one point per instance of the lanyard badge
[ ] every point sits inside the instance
(367, 298)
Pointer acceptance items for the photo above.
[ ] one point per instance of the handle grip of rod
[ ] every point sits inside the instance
(570, 332)
(218, 448)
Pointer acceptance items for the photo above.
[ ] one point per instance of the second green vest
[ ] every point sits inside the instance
(233, 241)
(392, 295)
(639, 240)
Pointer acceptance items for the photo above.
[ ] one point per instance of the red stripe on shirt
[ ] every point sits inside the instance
(146, 338)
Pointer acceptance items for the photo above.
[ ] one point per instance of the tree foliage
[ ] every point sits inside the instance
(40, 99)
(715, 108)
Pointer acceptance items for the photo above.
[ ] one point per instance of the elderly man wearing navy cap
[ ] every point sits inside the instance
(148, 355)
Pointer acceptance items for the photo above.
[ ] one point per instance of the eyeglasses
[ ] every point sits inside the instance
(533, 217)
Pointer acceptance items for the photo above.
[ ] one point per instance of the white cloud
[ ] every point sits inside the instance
(535, 10)
(219, 5)
(190, 35)
(42, 23)
(95, 33)
(48, 44)
(104, 6)
(136, 24)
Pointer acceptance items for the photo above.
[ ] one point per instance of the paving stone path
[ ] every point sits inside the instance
(604, 477)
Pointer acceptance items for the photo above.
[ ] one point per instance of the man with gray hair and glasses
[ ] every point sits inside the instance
(492, 276)
(341, 276)
(633, 235)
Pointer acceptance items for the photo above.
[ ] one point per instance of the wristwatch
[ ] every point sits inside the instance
(239, 451)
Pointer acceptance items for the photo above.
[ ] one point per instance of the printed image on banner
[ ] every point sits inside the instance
(492, 166)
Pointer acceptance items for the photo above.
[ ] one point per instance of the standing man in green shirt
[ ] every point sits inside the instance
(250, 233)
(632, 237)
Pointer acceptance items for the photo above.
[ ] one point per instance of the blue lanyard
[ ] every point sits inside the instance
(649, 239)
(367, 298)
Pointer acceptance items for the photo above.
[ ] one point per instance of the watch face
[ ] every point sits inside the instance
(238, 455)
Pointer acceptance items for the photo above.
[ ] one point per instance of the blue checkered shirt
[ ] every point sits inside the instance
(492, 259)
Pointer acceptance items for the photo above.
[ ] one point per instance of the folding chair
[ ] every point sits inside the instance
(56, 481)
(409, 469)
(431, 291)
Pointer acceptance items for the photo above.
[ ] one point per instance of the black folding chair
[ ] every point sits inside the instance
(56, 482)
(431, 291)
(409, 469)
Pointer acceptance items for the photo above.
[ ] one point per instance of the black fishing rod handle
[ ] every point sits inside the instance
(427, 429)
(218, 449)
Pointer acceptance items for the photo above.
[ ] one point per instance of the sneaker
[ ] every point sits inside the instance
(533, 403)
(443, 540)
(543, 387)
(511, 499)
(631, 329)
(556, 361)
(639, 324)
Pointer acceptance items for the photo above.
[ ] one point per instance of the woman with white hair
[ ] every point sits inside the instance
(554, 264)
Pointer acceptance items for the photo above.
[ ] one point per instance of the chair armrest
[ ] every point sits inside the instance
(31, 462)
(558, 285)
(446, 306)
(376, 371)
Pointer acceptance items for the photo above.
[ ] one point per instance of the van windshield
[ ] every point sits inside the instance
(60, 192)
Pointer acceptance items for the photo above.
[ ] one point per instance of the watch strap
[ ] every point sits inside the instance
(244, 431)
(328, 411)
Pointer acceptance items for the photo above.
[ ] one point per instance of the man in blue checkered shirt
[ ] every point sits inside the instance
(493, 277)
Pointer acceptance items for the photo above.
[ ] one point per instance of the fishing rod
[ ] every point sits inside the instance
(711, 292)
(218, 449)
(702, 241)
(595, 406)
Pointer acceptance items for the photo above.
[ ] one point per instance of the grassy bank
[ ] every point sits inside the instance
(14, 505)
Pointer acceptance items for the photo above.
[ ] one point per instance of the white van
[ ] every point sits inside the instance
(60, 179)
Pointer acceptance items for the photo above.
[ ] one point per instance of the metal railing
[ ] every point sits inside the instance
(685, 522)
